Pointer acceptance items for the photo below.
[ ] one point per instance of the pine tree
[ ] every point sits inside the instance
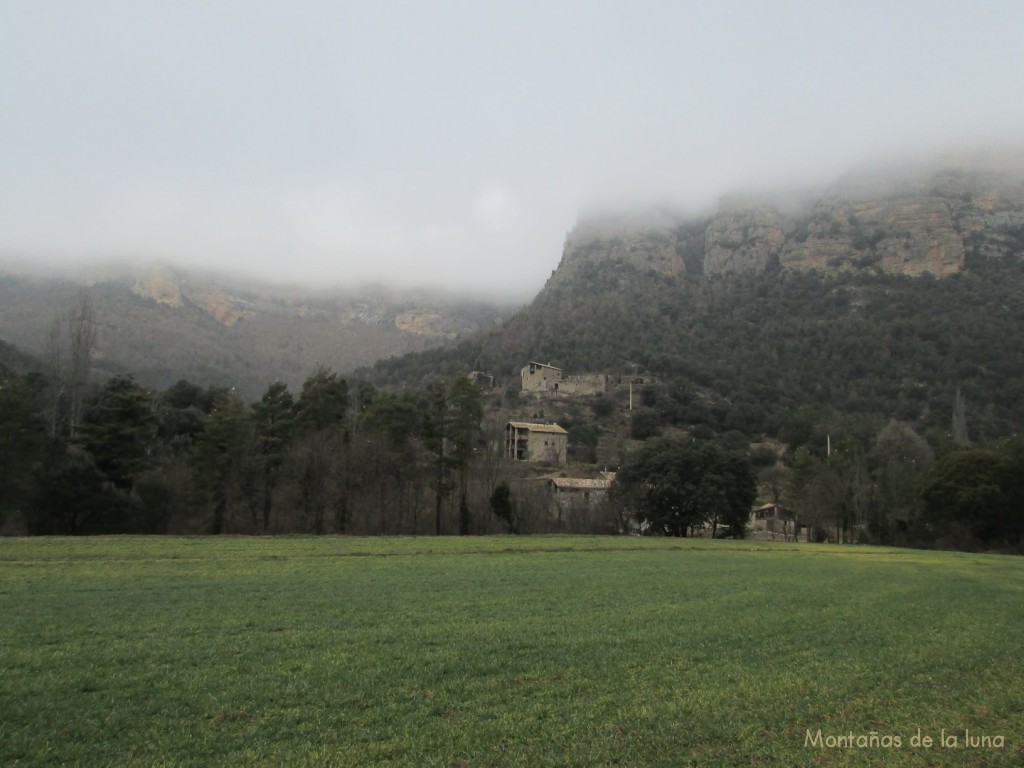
(221, 455)
(119, 429)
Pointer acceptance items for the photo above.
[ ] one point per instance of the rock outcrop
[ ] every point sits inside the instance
(159, 284)
(222, 307)
(743, 239)
(168, 287)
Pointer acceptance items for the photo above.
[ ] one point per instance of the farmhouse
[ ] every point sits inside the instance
(538, 377)
(571, 495)
(526, 441)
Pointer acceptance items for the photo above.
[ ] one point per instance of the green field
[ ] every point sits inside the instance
(505, 651)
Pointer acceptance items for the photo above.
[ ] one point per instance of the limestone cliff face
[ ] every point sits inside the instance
(910, 235)
(933, 222)
(743, 239)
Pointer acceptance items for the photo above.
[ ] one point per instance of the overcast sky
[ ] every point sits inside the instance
(454, 143)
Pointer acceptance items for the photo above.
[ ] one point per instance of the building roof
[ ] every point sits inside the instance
(766, 507)
(580, 483)
(552, 428)
(543, 365)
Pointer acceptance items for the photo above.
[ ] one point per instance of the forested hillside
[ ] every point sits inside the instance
(787, 355)
(163, 324)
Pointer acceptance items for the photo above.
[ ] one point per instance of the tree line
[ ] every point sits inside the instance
(77, 457)
(336, 458)
(900, 490)
(201, 460)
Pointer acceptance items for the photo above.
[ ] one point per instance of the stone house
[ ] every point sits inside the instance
(538, 377)
(526, 441)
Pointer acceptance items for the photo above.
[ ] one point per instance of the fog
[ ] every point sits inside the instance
(452, 144)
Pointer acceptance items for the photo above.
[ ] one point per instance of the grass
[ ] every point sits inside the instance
(503, 651)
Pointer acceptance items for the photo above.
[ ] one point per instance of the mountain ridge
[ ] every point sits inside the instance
(933, 220)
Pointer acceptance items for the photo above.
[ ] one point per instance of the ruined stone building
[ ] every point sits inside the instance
(543, 379)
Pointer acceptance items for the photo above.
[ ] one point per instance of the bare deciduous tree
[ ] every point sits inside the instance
(70, 347)
(56, 354)
(81, 348)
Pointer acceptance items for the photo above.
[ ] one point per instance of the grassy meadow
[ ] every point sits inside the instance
(526, 651)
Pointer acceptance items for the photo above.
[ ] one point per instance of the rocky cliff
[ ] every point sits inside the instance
(912, 222)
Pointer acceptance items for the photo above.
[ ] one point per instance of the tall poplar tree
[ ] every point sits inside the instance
(273, 421)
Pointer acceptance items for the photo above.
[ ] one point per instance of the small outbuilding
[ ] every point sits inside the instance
(771, 520)
(574, 498)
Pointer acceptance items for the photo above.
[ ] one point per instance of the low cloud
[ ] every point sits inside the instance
(454, 146)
